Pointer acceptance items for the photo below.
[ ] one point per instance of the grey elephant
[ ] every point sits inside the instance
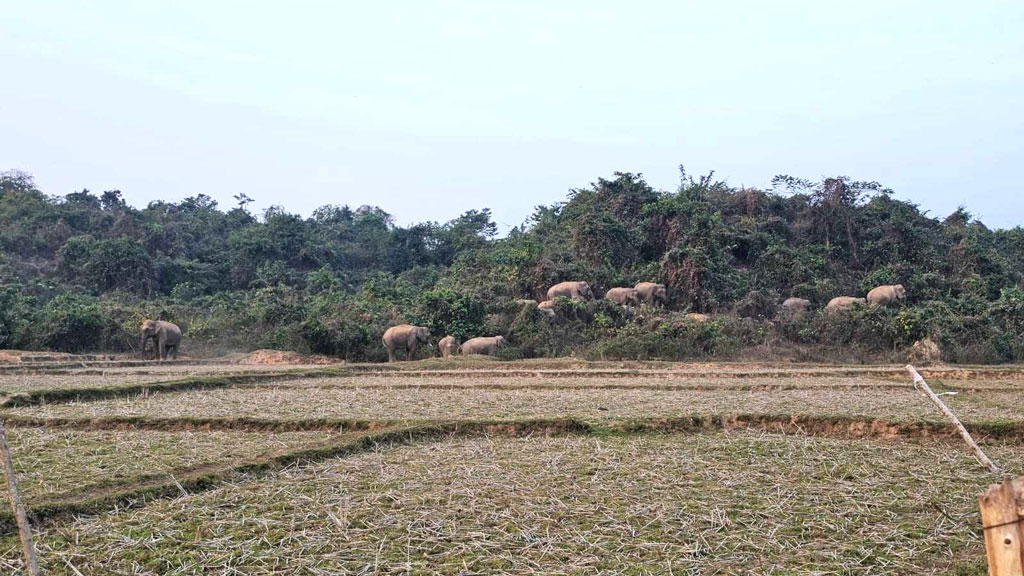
(886, 295)
(623, 296)
(483, 345)
(404, 337)
(795, 308)
(166, 338)
(575, 290)
(796, 304)
(841, 303)
(651, 293)
(448, 346)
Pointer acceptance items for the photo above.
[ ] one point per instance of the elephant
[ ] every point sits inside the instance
(885, 295)
(623, 296)
(448, 346)
(651, 293)
(841, 303)
(795, 307)
(404, 336)
(796, 304)
(166, 338)
(575, 290)
(698, 318)
(483, 345)
(547, 307)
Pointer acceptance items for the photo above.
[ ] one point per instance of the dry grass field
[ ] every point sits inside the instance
(471, 467)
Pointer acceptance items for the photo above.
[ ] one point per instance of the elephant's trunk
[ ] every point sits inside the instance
(142, 349)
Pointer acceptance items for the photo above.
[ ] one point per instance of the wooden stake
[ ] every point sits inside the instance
(1003, 531)
(31, 560)
(920, 384)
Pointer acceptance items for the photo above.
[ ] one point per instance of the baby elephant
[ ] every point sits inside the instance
(448, 346)
(623, 296)
(483, 345)
(547, 307)
(841, 303)
(885, 295)
(796, 305)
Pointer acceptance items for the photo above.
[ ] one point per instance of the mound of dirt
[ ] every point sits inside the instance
(925, 352)
(282, 357)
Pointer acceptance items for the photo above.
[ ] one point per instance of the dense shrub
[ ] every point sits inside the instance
(18, 315)
(73, 323)
(340, 325)
(758, 304)
(868, 329)
(243, 321)
(667, 340)
(445, 312)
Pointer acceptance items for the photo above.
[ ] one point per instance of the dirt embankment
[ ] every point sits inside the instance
(32, 357)
(283, 357)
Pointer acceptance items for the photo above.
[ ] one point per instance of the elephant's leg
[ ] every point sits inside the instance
(172, 353)
(391, 354)
(412, 350)
(162, 353)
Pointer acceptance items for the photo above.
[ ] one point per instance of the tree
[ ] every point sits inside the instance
(16, 181)
(107, 264)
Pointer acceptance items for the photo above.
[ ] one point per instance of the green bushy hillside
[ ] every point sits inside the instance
(80, 272)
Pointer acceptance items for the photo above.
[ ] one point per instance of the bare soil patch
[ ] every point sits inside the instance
(283, 357)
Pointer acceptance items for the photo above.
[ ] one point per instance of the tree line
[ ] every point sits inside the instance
(79, 272)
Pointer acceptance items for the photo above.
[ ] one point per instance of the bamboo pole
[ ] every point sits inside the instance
(921, 385)
(31, 560)
(1000, 515)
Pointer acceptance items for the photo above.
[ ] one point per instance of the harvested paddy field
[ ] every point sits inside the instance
(506, 467)
(717, 503)
(404, 404)
(52, 462)
(613, 380)
(16, 383)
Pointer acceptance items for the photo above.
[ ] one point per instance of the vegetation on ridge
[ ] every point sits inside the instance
(80, 272)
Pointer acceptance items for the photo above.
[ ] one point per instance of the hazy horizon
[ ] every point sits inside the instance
(429, 111)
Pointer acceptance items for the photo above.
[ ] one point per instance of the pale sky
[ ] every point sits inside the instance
(428, 109)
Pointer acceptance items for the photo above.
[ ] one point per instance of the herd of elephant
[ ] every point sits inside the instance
(166, 336)
(407, 337)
